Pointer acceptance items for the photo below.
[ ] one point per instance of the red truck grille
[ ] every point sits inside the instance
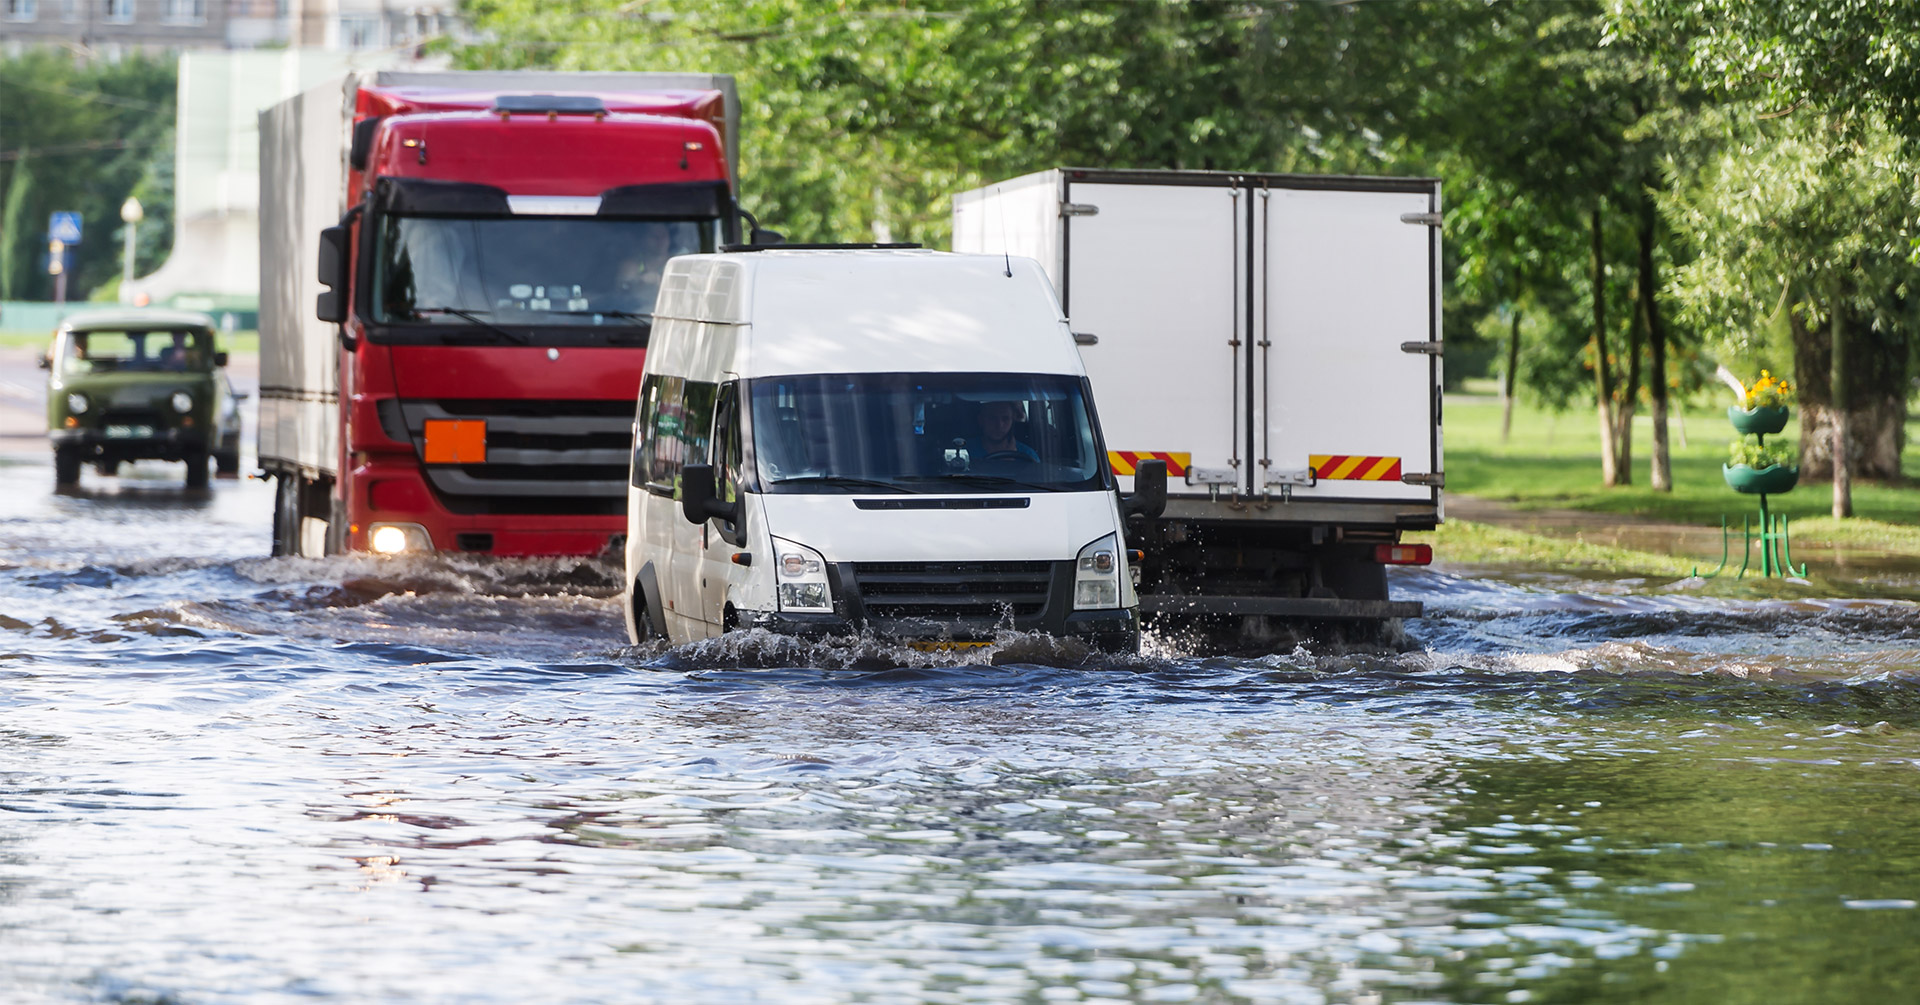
(542, 457)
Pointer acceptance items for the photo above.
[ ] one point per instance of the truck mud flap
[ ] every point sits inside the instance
(1326, 608)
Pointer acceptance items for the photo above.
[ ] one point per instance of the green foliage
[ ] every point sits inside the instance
(82, 138)
(1748, 450)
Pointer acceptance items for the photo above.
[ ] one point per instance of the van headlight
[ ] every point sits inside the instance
(77, 403)
(800, 575)
(182, 402)
(1096, 576)
(395, 538)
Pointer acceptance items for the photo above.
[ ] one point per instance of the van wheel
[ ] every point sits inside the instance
(644, 630)
(66, 465)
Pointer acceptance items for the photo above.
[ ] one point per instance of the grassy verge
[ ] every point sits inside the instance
(1553, 461)
(1459, 542)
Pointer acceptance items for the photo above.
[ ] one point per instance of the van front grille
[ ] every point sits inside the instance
(954, 591)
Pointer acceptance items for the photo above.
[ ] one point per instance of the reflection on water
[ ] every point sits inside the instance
(225, 778)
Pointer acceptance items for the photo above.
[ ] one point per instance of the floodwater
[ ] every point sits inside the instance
(227, 778)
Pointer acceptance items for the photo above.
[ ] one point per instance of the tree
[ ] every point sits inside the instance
(1824, 99)
(93, 131)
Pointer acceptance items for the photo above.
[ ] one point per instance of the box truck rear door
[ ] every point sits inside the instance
(1346, 283)
(1153, 272)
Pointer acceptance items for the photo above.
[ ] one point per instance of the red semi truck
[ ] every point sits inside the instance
(455, 369)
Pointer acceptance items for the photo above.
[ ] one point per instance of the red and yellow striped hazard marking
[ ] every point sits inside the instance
(1335, 467)
(1125, 461)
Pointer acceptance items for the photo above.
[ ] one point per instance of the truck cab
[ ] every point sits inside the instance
(489, 249)
(900, 442)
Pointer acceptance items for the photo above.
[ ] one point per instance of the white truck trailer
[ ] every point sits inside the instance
(1275, 341)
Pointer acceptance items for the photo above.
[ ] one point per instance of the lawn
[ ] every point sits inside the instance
(1553, 461)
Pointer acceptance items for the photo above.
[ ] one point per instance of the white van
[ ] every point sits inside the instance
(831, 441)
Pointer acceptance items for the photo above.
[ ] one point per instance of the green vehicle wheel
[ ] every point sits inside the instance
(197, 469)
(66, 465)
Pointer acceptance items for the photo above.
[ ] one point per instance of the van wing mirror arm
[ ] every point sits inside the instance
(1149, 498)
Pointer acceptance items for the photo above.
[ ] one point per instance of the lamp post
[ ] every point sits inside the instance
(132, 214)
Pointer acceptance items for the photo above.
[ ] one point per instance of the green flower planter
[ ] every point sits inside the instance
(1765, 420)
(1771, 480)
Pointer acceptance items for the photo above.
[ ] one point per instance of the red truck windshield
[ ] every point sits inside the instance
(526, 271)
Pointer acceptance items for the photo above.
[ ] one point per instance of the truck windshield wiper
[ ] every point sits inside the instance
(846, 480)
(476, 319)
(622, 315)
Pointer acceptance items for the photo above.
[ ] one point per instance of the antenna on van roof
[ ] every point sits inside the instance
(1004, 253)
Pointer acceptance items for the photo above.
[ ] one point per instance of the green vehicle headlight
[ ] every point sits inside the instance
(182, 402)
(77, 403)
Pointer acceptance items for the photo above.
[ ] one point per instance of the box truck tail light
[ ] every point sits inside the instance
(1403, 554)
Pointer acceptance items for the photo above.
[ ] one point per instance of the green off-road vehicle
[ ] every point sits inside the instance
(129, 385)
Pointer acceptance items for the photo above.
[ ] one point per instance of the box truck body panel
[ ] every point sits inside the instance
(1152, 276)
(1344, 285)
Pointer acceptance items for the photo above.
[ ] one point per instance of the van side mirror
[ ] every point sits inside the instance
(331, 306)
(1149, 498)
(698, 500)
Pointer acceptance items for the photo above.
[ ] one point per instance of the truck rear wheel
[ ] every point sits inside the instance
(66, 465)
(286, 515)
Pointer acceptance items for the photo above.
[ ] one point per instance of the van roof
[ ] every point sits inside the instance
(869, 310)
(135, 319)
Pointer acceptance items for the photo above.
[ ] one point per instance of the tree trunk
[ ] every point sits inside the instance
(1662, 473)
(1513, 368)
(1602, 370)
(1628, 404)
(1837, 377)
(1876, 382)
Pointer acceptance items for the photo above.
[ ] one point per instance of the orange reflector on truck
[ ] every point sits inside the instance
(1335, 467)
(1403, 554)
(456, 441)
(1125, 462)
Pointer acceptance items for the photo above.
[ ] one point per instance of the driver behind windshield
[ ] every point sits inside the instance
(996, 439)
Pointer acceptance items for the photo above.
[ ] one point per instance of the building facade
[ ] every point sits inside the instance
(109, 29)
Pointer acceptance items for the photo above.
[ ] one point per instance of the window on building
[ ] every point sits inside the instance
(183, 11)
(359, 33)
(19, 10)
(118, 11)
(70, 10)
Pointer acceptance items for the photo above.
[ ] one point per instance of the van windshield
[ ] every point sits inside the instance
(917, 432)
(152, 351)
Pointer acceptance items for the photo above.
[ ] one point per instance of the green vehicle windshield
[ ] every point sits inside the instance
(138, 351)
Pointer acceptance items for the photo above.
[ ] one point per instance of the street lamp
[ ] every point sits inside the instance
(130, 212)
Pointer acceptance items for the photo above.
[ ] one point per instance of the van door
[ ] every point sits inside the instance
(1347, 281)
(692, 432)
(1166, 261)
(721, 540)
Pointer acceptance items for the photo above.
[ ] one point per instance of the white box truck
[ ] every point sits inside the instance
(1275, 341)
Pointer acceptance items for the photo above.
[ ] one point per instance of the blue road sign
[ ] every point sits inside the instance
(64, 227)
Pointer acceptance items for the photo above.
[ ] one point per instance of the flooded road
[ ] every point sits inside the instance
(229, 778)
